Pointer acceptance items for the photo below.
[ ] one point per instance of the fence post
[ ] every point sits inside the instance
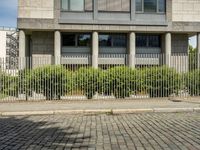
(198, 49)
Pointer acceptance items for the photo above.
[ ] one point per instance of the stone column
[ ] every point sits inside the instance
(168, 49)
(22, 50)
(132, 49)
(198, 49)
(95, 49)
(57, 47)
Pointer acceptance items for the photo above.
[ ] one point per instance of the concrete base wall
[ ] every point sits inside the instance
(42, 48)
(179, 58)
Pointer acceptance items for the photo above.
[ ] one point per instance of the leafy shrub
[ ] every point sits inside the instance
(25, 82)
(193, 82)
(120, 81)
(8, 85)
(162, 81)
(88, 80)
(52, 81)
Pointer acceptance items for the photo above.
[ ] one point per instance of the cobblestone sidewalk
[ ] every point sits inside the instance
(175, 131)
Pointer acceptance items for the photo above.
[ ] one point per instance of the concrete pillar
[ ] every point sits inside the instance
(22, 50)
(168, 48)
(132, 49)
(198, 49)
(22, 43)
(57, 47)
(95, 49)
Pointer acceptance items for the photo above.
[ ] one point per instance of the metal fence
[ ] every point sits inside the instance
(74, 79)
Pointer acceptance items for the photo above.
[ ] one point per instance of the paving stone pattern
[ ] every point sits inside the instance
(175, 131)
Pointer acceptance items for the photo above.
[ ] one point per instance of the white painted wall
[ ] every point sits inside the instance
(2, 49)
(2, 44)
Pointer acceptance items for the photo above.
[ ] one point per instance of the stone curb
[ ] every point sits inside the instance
(173, 110)
(126, 111)
(96, 111)
(197, 109)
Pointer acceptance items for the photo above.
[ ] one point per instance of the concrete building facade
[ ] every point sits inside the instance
(9, 47)
(107, 30)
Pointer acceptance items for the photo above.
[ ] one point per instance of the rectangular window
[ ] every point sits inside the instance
(141, 41)
(161, 5)
(64, 4)
(112, 40)
(68, 40)
(114, 5)
(77, 5)
(148, 41)
(84, 40)
(105, 40)
(119, 40)
(150, 6)
(76, 40)
(154, 41)
(139, 5)
(88, 5)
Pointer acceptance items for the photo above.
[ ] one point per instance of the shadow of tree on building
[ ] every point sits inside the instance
(36, 133)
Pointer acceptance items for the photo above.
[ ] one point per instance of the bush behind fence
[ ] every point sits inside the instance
(55, 82)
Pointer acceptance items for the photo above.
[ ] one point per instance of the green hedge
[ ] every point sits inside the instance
(87, 79)
(56, 81)
(26, 82)
(162, 81)
(119, 81)
(8, 85)
(193, 82)
(51, 81)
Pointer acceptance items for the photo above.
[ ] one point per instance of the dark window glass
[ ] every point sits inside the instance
(77, 5)
(150, 5)
(148, 41)
(161, 5)
(68, 40)
(119, 40)
(105, 40)
(154, 41)
(84, 40)
(141, 41)
(139, 5)
(64, 4)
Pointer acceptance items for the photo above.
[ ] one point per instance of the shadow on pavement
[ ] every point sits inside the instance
(28, 133)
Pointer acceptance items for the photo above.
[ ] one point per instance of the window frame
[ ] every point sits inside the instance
(69, 7)
(157, 8)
